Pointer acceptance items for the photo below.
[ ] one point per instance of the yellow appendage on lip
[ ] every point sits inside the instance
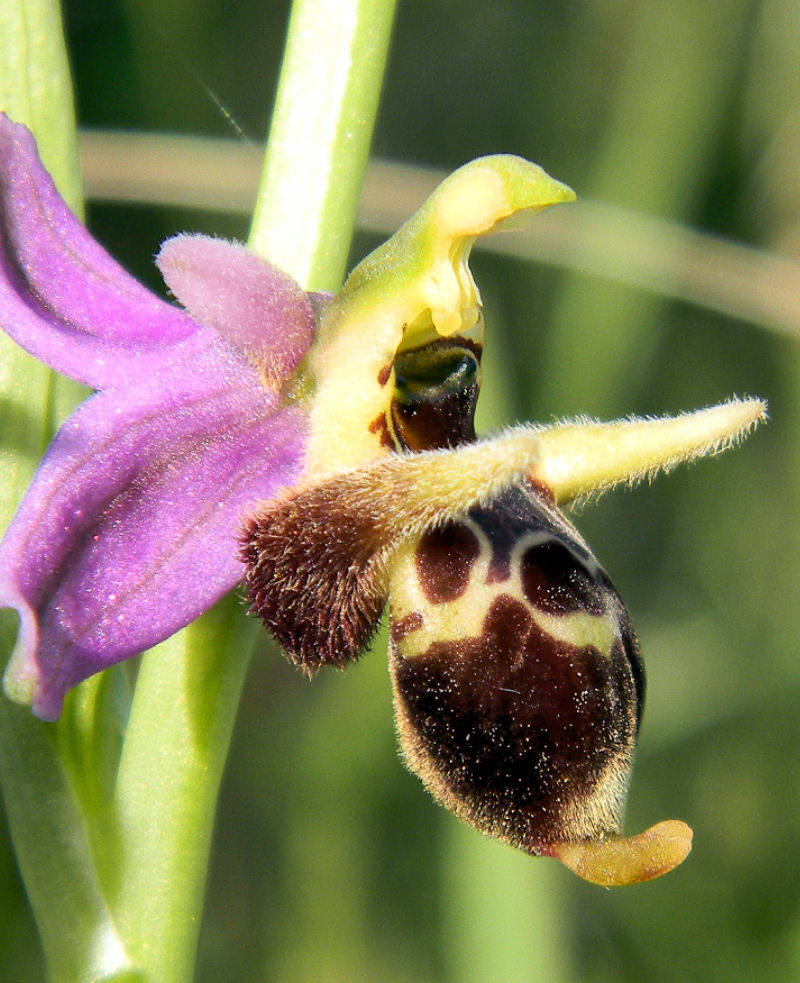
(619, 860)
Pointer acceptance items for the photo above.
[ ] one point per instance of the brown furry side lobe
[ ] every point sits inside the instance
(316, 556)
(313, 575)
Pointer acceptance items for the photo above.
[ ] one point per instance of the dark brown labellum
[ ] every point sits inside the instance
(517, 676)
(519, 684)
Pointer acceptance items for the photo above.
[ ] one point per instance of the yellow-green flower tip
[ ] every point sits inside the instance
(413, 289)
(616, 860)
(425, 261)
(473, 200)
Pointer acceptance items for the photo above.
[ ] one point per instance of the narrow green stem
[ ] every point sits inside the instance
(320, 136)
(54, 849)
(187, 693)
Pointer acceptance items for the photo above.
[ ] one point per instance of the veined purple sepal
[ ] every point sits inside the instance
(128, 531)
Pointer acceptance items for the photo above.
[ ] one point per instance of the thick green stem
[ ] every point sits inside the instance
(172, 761)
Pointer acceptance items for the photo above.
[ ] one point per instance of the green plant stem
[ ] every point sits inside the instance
(320, 135)
(187, 692)
(53, 846)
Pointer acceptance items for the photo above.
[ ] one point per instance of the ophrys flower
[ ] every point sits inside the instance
(334, 437)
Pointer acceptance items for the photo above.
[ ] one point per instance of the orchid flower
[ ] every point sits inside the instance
(323, 450)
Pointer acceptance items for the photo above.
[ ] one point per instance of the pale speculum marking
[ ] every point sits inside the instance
(452, 577)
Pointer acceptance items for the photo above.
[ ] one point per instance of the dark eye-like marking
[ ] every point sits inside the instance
(444, 559)
(435, 390)
(554, 582)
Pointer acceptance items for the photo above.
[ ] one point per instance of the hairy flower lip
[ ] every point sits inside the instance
(128, 530)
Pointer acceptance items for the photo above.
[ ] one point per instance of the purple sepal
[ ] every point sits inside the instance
(129, 530)
(62, 297)
(130, 527)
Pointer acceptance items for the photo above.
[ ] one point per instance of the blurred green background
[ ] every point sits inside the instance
(331, 864)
